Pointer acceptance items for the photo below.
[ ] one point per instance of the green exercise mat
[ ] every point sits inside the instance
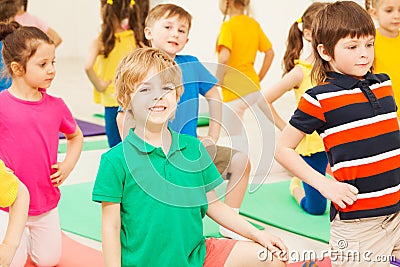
(98, 115)
(87, 146)
(203, 120)
(81, 216)
(78, 213)
(272, 204)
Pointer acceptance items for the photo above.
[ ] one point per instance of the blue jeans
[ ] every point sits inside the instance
(110, 116)
(313, 202)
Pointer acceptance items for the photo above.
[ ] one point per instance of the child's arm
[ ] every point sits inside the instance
(54, 36)
(215, 109)
(16, 225)
(74, 148)
(291, 80)
(125, 121)
(342, 194)
(268, 57)
(97, 82)
(225, 216)
(111, 230)
(223, 57)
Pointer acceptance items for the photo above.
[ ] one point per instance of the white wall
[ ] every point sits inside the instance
(78, 22)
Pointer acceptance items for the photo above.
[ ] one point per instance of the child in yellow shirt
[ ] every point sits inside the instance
(13, 194)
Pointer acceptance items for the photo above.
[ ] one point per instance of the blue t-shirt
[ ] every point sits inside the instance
(196, 80)
(5, 81)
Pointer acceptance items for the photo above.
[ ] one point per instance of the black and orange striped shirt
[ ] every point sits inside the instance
(358, 123)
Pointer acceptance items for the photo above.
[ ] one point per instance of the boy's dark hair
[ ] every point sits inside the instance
(20, 43)
(167, 10)
(337, 20)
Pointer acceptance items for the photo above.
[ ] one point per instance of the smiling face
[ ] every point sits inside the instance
(169, 34)
(352, 56)
(153, 102)
(40, 70)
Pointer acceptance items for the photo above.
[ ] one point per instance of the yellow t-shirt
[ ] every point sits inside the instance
(387, 60)
(311, 143)
(243, 36)
(8, 186)
(105, 67)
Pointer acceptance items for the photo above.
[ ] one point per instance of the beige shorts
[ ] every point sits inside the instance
(365, 242)
(222, 156)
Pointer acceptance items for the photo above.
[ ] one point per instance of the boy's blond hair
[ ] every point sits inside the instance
(134, 67)
(167, 10)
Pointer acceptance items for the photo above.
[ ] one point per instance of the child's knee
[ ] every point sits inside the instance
(46, 256)
(240, 162)
(46, 260)
(314, 208)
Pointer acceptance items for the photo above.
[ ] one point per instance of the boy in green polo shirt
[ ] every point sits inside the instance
(157, 185)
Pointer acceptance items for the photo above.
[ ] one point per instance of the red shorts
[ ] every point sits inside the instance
(217, 251)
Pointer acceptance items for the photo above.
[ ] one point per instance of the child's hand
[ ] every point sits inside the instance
(274, 244)
(61, 174)
(102, 85)
(207, 140)
(6, 255)
(342, 194)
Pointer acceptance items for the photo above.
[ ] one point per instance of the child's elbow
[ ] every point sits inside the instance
(270, 54)
(88, 68)
(23, 193)
(279, 153)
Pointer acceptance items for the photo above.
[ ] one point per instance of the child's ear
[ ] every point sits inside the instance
(147, 33)
(323, 53)
(372, 12)
(307, 34)
(17, 69)
(120, 100)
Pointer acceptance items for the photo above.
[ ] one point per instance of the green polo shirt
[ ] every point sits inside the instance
(163, 199)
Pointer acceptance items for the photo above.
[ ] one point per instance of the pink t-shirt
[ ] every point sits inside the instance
(29, 143)
(27, 19)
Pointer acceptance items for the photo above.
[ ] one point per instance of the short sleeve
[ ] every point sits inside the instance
(205, 78)
(264, 44)
(68, 123)
(225, 37)
(41, 24)
(308, 116)
(109, 183)
(196, 74)
(212, 178)
(8, 186)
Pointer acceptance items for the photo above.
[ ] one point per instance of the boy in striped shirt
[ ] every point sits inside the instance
(354, 112)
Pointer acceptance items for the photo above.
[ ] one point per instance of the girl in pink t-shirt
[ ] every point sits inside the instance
(30, 121)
